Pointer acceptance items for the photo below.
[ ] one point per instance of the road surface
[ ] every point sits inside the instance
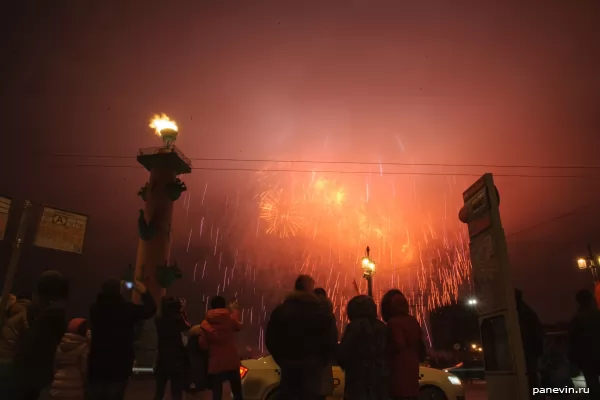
(143, 388)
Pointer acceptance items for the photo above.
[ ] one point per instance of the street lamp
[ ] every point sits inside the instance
(590, 263)
(472, 302)
(368, 267)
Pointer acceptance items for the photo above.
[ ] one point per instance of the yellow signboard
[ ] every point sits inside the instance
(4, 210)
(61, 230)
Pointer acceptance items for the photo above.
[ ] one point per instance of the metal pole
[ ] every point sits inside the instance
(14, 257)
(593, 265)
(370, 286)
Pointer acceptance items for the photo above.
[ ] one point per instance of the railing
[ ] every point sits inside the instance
(149, 151)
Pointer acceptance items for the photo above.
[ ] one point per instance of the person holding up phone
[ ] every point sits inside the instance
(112, 321)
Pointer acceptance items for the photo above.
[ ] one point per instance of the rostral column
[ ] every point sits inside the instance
(163, 188)
(159, 193)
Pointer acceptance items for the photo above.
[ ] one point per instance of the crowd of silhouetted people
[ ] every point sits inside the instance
(42, 355)
(45, 356)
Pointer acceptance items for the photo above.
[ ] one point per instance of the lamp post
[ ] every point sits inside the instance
(368, 267)
(590, 263)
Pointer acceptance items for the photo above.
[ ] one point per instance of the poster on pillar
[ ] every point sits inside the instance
(5, 203)
(488, 281)
(61, 230)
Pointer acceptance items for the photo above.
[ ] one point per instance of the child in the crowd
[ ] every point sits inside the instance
(70, 363)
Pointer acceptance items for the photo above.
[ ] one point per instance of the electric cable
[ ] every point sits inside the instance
(372, 163)
(337, 171)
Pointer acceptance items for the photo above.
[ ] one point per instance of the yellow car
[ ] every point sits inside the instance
(260, 381)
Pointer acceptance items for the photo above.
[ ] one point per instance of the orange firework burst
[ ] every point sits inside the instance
(281, 215)
(334, 222)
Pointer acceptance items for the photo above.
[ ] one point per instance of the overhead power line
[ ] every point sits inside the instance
(554, 219)
(336, 171)
(520, 231)
(372, 163)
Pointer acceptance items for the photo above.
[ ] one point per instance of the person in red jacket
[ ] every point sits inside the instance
(217, 335)
(403, 347)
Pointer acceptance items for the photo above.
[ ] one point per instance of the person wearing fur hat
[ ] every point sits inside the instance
(362, 352)
(44, 326)
(300, 335)
(70, 363)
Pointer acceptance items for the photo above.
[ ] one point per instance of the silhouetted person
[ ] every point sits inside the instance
(46, 325)
(217, 335)
(404, 346)
(14, 326)
(327, 373)
(300, 338)
(113, 321)
(532, 336)
(71, 362)
(171, 363)
(362, 352)
(584, 341)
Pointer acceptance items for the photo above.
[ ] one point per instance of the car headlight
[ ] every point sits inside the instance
(454, 380)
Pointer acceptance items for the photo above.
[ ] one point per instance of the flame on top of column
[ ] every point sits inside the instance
(162, 122)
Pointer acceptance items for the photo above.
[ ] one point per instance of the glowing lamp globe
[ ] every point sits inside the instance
(582, 263)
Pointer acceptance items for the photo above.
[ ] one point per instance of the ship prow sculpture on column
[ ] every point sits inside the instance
(153, 268)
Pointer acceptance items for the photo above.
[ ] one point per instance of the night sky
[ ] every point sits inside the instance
(512, 89)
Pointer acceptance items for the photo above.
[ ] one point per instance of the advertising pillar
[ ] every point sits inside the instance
(498, 320)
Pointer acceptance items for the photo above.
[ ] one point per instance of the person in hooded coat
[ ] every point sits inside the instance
(584, 343)
(301, 338)
(70, 363)
(113, 321)
(361, 352)
(44, 327)
(532, 337)
(171, 362)
(217, 335)
(14, 324)
(327, 375)
(404, 346)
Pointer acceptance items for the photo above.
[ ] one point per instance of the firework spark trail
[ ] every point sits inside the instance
(189, 240)
(216, 241)
(189, 201)
(316, 226)
(204, 194)
(195, 266)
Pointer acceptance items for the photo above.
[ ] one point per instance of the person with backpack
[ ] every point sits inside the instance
(216, 334)
(70, 363)
(362, 352)
(301, 338)
(113, 322)
(171, 364)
